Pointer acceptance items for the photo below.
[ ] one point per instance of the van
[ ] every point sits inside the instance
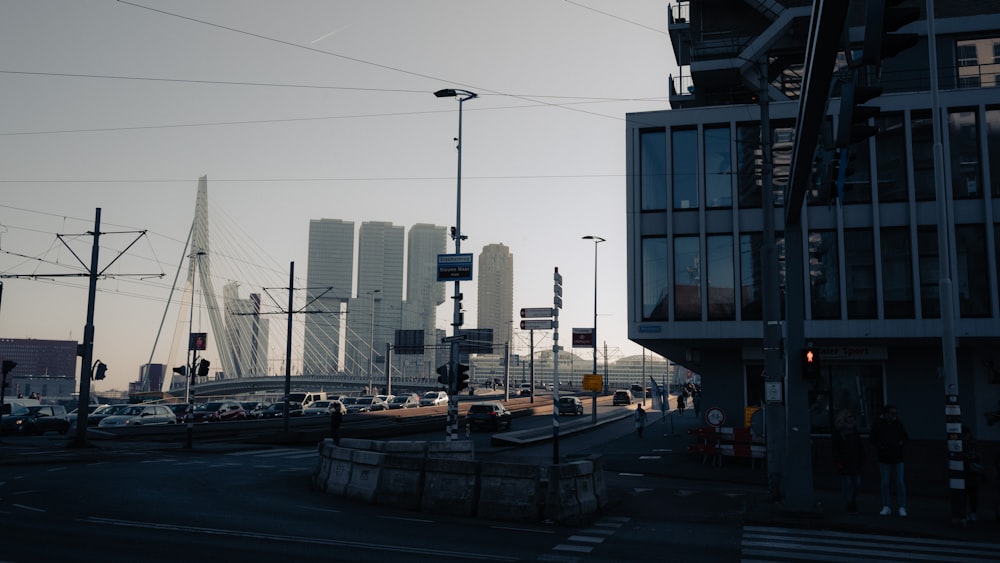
(307, 397)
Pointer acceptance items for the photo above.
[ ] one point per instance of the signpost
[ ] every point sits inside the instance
(537, 324)
(454, 267)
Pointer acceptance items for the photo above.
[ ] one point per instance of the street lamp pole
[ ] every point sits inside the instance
(597, 240)
(457, 236)
(371, 343)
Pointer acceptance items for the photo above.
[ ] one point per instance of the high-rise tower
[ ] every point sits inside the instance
(329, 281)
(496, 291)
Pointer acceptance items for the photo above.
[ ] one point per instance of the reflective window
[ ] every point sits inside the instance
(856, 389)
(993, 148)
(963, 139)
(654, 279)
(922, 132)
(718, 168)
(684, 162)
(859, 265)
(927, 249)
(890, 158)
(721, 278)
(653, 163)
(973, 281)
(897, 274)
(782, 143)
(750, 277)
(824, 275)
(748, 164)
(687, 279)
(858, 181)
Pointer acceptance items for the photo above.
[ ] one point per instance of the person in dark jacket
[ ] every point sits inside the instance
(336, 417)
(889, 437)
(849, 455)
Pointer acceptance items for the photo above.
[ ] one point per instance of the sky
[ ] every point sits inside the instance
(308, 109)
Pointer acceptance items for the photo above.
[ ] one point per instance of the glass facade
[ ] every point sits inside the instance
(897, 274)
(721, 278)
(653, 163)
(993, 148)
(890, 158)
(930, 272)
(859, 263)
(684, 163)
(966, 179)
(687, 279)
(824, 275)
(922, 135)
(751, 298)
(748, 164)
(718, 167)
(654, 279)
(973, 280)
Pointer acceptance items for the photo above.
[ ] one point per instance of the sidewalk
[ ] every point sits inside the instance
(928, 504)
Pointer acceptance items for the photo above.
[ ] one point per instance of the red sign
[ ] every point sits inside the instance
(583, 338)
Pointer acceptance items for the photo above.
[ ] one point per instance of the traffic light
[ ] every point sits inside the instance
(100, 369)
(462, 379)
(203, 368)
(181, 370)
(810, 364)
(883, 18)
(7, 367)
(443, 378)
(853, 124)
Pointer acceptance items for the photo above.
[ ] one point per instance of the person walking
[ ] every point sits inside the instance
(336, 417)
(696, 401)
(640, 420)
(849, 456)
(889, 437)
(681, 402)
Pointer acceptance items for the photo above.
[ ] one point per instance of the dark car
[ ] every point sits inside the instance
(253, 408)
(34, 420)
(94, 419)
(492, 415)
(219, 411)
(277, 410)
(405, 401)
(179, 409)
(622, 397)
(570, 405)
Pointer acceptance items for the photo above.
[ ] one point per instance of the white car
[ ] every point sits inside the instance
(434, 399)
(140, 415)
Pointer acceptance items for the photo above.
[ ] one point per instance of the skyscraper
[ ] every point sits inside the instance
(423, 292)
(329, 281)
(248, 333)
(496, 291)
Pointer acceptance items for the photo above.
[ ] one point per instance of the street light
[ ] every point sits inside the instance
(597, 240)
(371, 343)
(457, 236)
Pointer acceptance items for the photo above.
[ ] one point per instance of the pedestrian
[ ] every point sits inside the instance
(889, 437)
(640, 420)
(336, 417)
(696, 401)
(975, 473)
(681, 402)
(849, 456)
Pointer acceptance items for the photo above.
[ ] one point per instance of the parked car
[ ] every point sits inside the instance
(622, 397)
(179, 410)
(367, 404)
(253, 408)
(525, 390)
(90, 411)
(94, 419)
(434, 399)
(219, 411)
(277, 410)
(405, 401)
(491, 414)
(324, 408)
(35, 420)
(140, 415)
(570, 405)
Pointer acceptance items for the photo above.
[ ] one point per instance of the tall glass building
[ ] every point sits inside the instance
(495, 293)
(871, 281)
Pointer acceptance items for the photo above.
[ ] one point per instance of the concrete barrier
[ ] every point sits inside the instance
(401, 482)
(510, 492)
(339, 474)
(451, 486)
(366, 468)
(570, 497)
(410, 448)
(458, 449)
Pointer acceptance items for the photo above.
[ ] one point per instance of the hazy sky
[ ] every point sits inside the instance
(299, 110)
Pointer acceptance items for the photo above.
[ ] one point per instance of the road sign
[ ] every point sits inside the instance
(593, 382)
(715, 416)
(536, 312)
(536, 324)
(454, 267)
(583, 338)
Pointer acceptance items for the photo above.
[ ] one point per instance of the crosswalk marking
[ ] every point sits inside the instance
(763, 543)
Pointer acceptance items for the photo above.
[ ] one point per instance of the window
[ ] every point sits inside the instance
(922, 131)
(687, 279)
(653, 156)
(748, 164)
(721, 284)
(973, 281)
(751, 283)
(890, 158)
(963, 133)
(855, 388)
(654, 279)
(996, 52)
(965, 53)
(859, 262)
(824, 275)
(927, 249)
(993, 149)
(684, 162)
(897, 274)
(718, 168)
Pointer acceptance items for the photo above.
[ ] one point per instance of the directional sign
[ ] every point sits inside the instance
(536, 312)
(583, 338)
(454, 267)
(537, 324)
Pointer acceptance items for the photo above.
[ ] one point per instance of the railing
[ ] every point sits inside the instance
(679, 13)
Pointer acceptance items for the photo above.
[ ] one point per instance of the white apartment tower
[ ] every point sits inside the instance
(329, 282)
(495, 303)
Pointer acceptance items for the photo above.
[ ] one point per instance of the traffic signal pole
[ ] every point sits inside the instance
(87, 348)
